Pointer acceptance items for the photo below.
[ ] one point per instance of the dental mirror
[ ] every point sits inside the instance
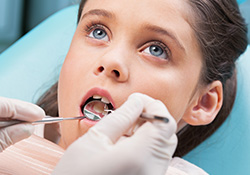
(95, 110)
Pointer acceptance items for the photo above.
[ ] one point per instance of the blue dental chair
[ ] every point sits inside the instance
(28, 68)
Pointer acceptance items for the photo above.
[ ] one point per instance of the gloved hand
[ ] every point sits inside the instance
(103, 150)
(16, 109)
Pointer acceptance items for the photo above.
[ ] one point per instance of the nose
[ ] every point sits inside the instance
(113, 65)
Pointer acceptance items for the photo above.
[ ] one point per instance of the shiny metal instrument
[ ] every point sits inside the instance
(87, 114)
(46, 120)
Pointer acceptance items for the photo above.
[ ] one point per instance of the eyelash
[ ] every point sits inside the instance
(93, 25)
(98, 25)
(161, 45)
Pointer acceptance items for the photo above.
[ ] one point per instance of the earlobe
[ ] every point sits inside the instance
(206, 106)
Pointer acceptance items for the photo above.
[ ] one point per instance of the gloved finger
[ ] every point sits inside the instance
(159, 164)
(152, 137)
(154, 146)
(15, 133)
(158, 108)
(135, 126)
(17, 109)
(116, 124)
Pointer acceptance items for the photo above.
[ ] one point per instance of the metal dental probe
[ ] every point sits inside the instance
(148, 116)
(46, 120)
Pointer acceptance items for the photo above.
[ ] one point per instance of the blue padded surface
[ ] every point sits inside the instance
(241, 1)
(34, 62)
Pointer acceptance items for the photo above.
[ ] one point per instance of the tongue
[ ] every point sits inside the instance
(96, 107)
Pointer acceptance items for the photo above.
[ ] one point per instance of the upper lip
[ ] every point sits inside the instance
(97, 91)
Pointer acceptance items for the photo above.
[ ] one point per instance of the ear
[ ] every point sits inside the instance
(205, 105)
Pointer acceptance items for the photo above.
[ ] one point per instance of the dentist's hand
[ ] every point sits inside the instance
(104, 150)
(16, 109)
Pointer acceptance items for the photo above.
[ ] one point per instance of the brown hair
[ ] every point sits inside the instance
(222, 36)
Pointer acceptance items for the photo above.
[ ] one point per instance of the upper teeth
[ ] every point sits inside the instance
(97, 97)
(103, 99)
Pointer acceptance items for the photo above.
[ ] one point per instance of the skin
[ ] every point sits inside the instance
(92, 62)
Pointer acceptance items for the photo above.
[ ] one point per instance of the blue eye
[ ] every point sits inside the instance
(156, 51)
(99, 34)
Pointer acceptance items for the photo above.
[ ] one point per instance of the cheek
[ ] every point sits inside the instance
(176, 106)
(64, 88)
(68, 93)
(71, 76)
(170, 88)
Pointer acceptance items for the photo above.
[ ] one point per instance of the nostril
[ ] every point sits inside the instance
(117, 73)
(100, 69)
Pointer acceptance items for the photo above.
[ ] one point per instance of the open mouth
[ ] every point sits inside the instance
(96, 107)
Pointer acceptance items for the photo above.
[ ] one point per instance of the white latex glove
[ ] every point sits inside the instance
(16, 109)
(101, 151)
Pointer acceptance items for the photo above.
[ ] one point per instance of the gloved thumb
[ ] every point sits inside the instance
(21, 110)
(121, 119)
(12, 134)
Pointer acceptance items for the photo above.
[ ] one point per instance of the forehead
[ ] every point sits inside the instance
(156, 8)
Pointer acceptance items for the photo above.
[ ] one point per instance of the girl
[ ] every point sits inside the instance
(180, 52)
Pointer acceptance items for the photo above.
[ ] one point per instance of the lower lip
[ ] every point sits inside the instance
(88, 122)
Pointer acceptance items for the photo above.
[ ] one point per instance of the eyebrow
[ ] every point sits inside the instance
(99, 12)
(149, 27)
(162, 31)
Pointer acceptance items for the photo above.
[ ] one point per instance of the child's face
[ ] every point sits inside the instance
(127, 46)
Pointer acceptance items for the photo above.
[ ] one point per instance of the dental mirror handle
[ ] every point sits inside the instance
(49, 120)
(46, 120)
